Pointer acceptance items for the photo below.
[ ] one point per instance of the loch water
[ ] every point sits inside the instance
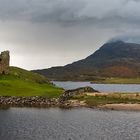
(72, 124)
(68, 124)
(100, 87)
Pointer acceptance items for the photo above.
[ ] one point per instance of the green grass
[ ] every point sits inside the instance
(24, 83)
(115, 80)
(94, 101)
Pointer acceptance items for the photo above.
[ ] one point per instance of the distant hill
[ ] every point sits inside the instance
(113, 59)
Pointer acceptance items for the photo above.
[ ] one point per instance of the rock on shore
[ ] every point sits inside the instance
(68, 94)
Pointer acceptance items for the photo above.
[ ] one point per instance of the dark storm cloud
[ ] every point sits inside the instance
(68, 11)
(56, 32)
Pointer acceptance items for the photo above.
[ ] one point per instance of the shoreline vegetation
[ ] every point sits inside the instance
(107, 80)
(111, 101)
(116, 80)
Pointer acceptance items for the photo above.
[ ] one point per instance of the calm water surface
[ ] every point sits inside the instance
(101, 87)
(73, 124)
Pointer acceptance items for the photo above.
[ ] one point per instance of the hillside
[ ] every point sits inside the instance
(27, 75)
(20, 82)
(113, 59)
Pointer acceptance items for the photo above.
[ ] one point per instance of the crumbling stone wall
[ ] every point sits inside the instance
(4, 62)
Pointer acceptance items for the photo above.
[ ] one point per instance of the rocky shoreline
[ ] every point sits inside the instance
(28, 101)
(37, 101)
(43, 102)
(68, 100)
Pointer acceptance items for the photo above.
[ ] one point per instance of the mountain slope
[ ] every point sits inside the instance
(114, 59)
(20, 82)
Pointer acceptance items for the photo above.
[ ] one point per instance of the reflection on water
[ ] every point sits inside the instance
(72, 124)
(4, 107)
(100, 87)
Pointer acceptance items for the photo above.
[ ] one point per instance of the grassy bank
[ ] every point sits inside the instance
(115, 80)
(24, 83)
(114, 98)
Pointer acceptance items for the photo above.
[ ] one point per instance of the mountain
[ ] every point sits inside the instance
(113, 59)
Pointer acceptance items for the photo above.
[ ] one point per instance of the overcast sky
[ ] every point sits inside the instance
(46, 33)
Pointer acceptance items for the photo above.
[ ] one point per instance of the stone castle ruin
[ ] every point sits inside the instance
(4, 62)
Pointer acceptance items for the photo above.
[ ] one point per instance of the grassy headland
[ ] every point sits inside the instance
(20, 82)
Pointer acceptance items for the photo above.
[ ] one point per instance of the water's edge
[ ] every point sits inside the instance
(42, 102)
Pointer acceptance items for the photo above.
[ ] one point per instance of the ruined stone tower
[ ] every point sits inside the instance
(4, 62)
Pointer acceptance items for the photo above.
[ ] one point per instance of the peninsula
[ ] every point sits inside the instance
(22, 88)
